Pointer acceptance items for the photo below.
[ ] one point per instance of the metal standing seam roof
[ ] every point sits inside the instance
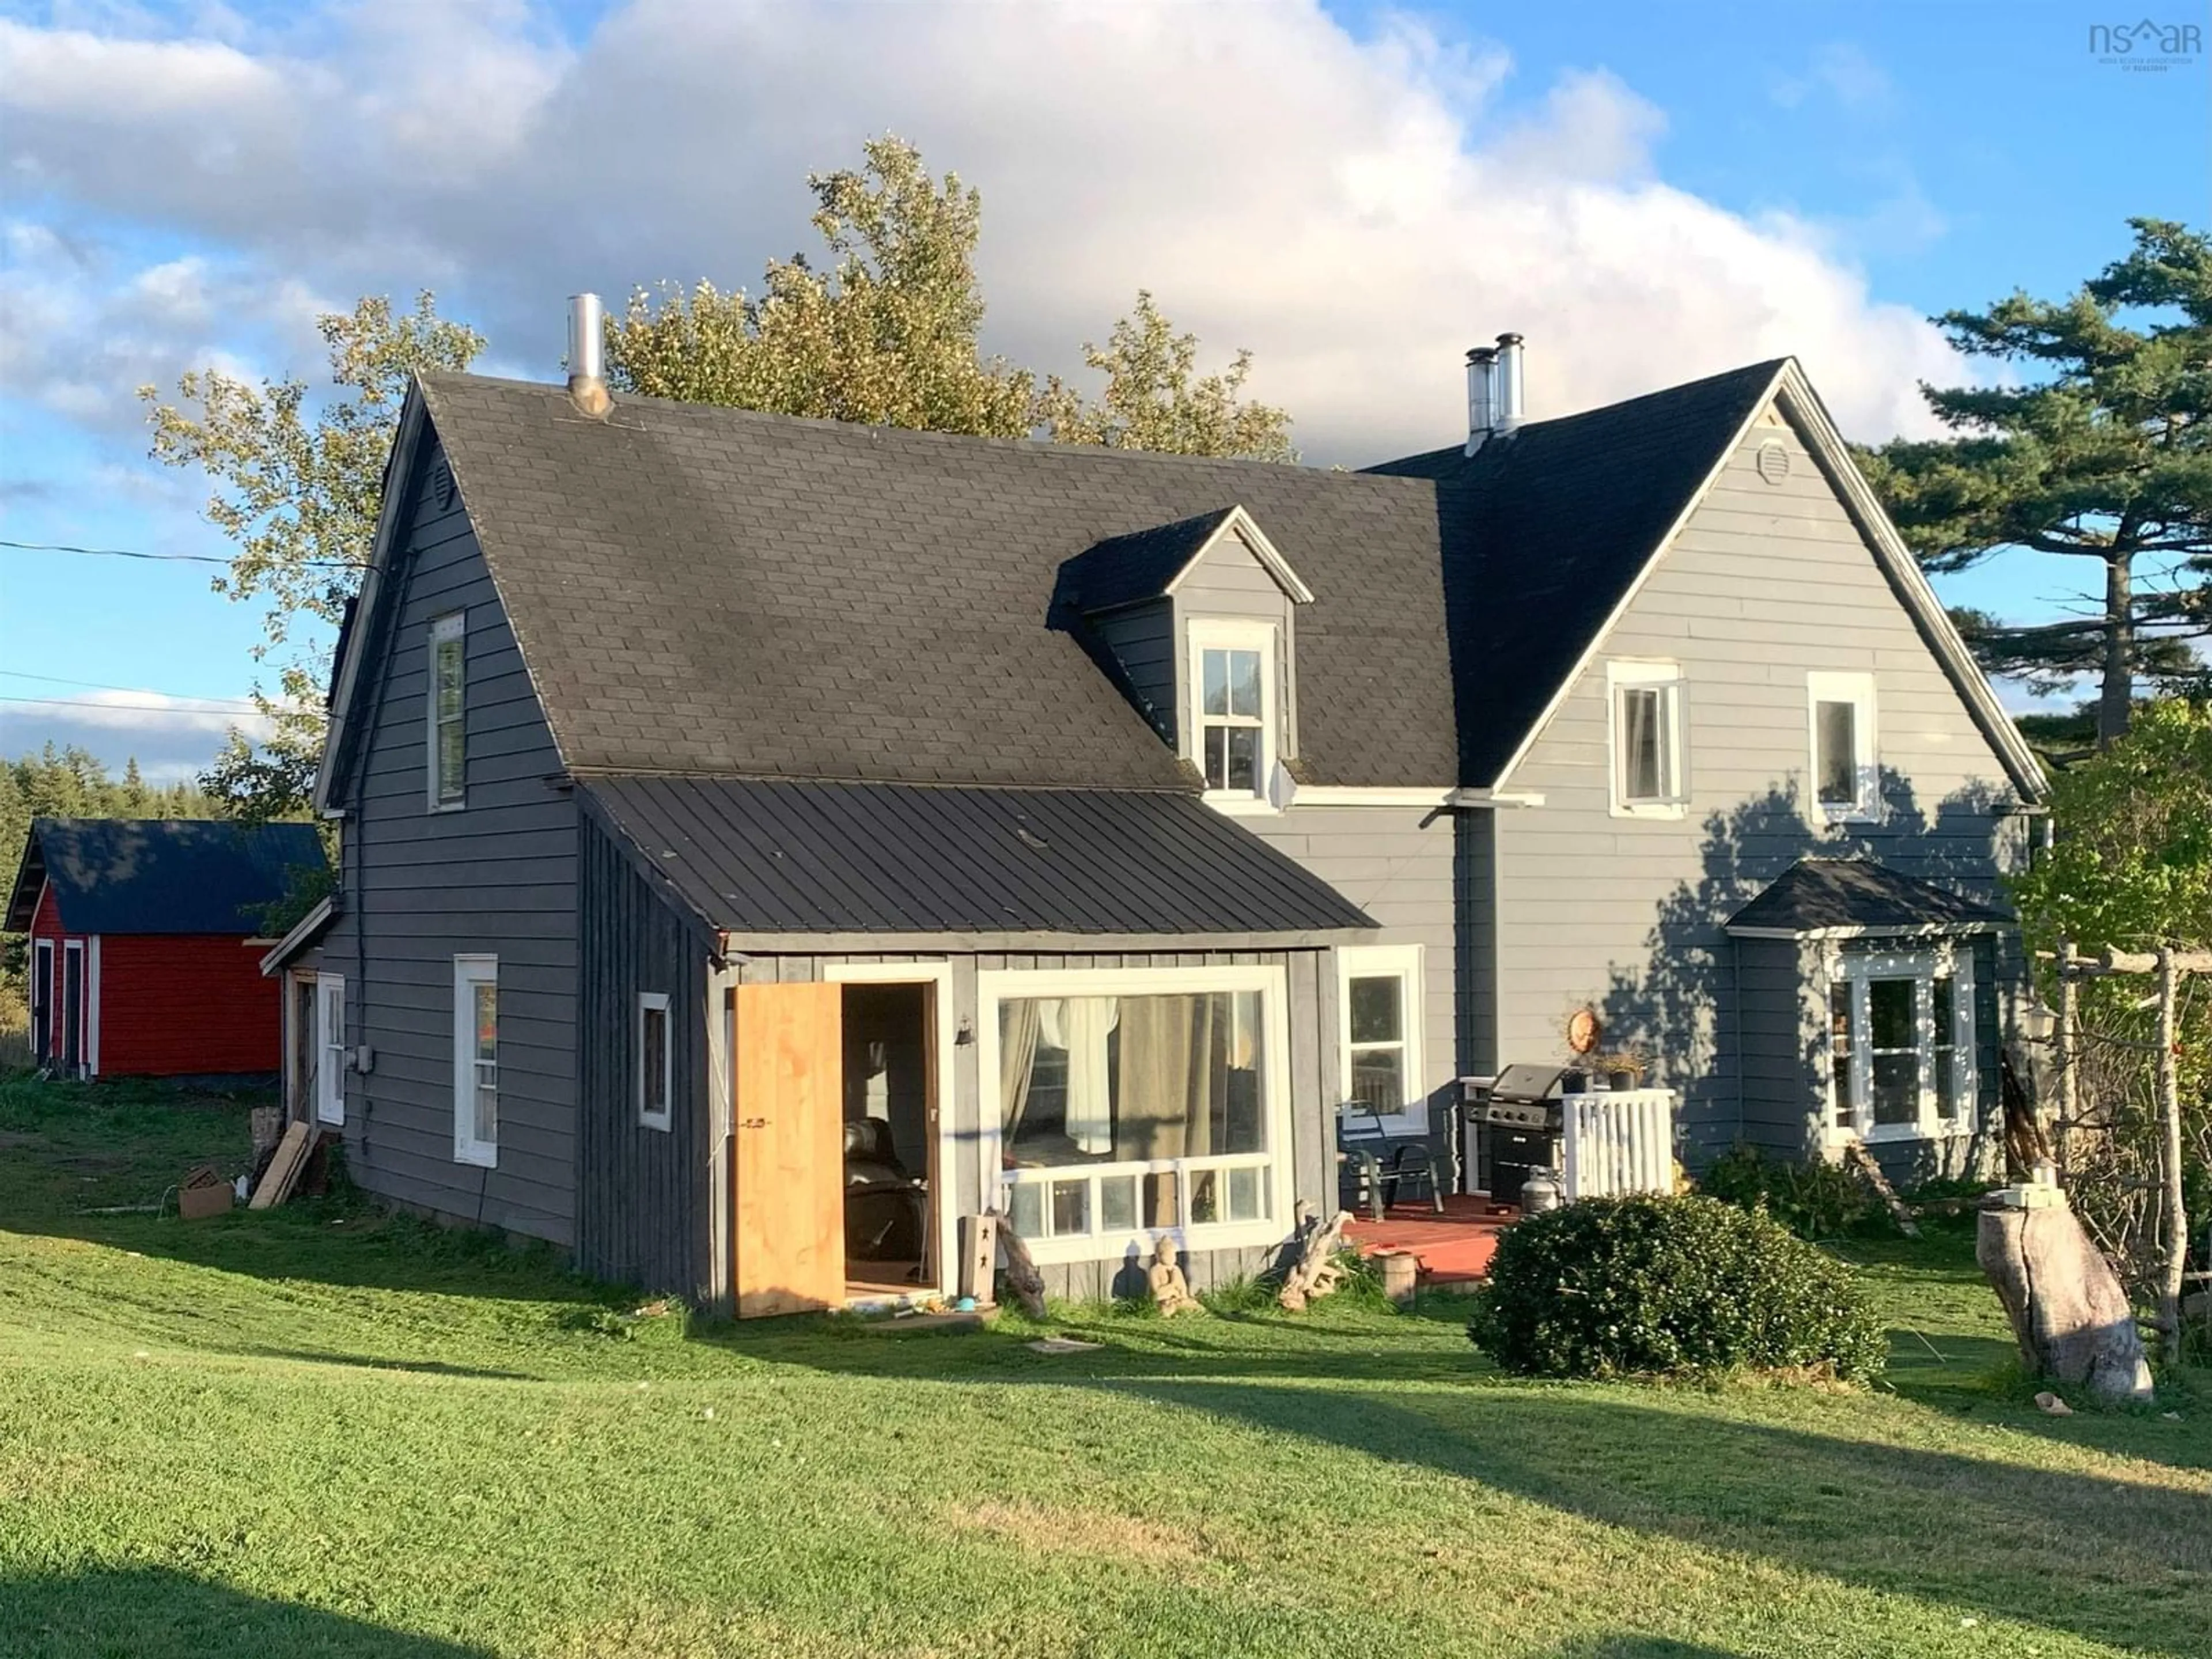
(1815, 895)
(780, 856)
(159, 875)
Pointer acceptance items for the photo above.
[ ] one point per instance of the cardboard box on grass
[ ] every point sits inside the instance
(202, 1193)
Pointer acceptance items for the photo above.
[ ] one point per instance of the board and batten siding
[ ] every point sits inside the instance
(496, 877)
(1311, 976)
(645, 1206)
(1766, 582)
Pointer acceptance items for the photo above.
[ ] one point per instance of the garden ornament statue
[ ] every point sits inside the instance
(1170, 1289)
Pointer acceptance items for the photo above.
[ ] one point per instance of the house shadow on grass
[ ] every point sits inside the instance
(151, 1613)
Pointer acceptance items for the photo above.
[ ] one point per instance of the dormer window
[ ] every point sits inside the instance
(1233, 674)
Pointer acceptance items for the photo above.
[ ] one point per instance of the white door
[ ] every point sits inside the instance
(329, 1050)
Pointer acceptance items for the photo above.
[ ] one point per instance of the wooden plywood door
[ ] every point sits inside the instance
(788, 1094)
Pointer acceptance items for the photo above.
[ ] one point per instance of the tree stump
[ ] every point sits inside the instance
(2068, 1310)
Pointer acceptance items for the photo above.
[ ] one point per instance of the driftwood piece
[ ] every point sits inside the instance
(2068, 1312)
(1863, 1161)
(1317, 1271)
(1022, 1277)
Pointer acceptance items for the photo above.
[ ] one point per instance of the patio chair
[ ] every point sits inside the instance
(1373, 1165)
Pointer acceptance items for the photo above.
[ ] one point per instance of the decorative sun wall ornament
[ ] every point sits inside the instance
(1583, 1031)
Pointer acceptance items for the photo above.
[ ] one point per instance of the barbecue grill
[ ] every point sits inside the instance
(1514, 1120)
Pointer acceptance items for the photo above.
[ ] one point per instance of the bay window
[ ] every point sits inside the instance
(1902, 1044)
(1136, 1103)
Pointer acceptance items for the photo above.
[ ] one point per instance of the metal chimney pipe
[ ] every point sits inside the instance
(1509, 384)
(587, 356)
(1481, 395)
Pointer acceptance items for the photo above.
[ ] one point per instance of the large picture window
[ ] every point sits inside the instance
(1134, 1104)
(475, 1060)
(1902, 1044)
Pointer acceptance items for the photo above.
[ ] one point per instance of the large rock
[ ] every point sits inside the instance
(2066, 1305)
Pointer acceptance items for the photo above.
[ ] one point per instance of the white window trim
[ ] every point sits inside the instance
(1403, 963)
(1620, 675)
(1858, 689)
(1855, 969)
(468, 972)
(42, 993)
(330, 1059)
(1205, 634)
(443, 630)
(995, 985)
(663, 1120)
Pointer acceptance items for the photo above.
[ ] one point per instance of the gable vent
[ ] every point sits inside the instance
(1773, 462)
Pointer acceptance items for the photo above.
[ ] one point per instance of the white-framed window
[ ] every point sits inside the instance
(1235, 721)
(1123, 1105)
(1644, 733)
(329, 1049)
(1843, 763)
(656, 1075)
(1378, 1030)
(476, 1060)
(447, 713)
(1901, 1043)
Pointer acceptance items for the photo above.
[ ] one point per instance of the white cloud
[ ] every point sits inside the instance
(1843, 74)
(1356, 210)
(171, 737)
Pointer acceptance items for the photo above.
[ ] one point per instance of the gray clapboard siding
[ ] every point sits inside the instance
(1311, 980)
(643, 1204)
(1399, 864)
(1763, 583)
(497, 878)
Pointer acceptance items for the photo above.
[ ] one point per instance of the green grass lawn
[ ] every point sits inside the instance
(319, 1430)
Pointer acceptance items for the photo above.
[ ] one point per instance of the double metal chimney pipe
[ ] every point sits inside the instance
(1494, 388)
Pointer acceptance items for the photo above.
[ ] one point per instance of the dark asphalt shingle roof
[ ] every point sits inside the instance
(1124, 568)
(1814, 894)
(709, 590)
(1548, 530)
(159, 875)
(783, 857)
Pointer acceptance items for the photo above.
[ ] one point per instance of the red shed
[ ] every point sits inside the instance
(142, 962)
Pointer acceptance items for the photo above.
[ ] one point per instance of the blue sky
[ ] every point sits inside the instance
(1649, 192)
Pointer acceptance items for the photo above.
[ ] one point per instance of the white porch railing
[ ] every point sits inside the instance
(1615, 1141)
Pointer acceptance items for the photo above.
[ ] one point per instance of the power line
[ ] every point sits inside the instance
(164, 558)
(147, 708)
(103, 685)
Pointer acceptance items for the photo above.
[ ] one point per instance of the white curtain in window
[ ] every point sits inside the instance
(1084, 1025)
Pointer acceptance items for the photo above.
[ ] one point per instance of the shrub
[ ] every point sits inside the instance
(1813, 1198)
(1627, 1285)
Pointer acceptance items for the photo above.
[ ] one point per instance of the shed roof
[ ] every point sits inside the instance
(159, 875)
(753, 857)
(1857, 896)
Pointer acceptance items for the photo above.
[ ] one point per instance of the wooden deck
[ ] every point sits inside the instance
(1452, 1248)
